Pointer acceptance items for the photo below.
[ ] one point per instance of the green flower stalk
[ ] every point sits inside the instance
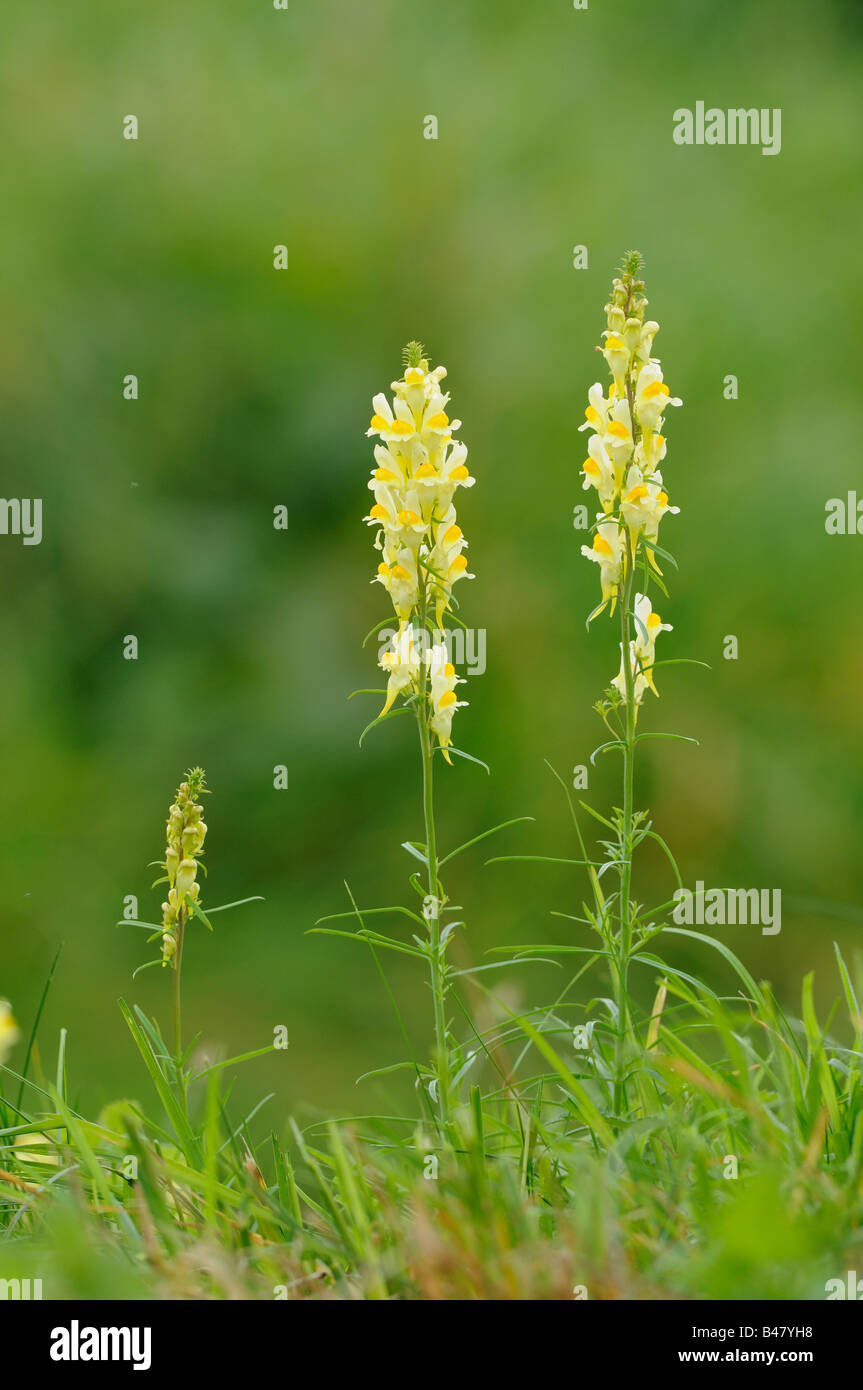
(185, 835)
(419, 468)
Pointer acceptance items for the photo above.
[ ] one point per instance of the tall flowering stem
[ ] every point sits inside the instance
(185, 834)
(625, 449)
(419, 468)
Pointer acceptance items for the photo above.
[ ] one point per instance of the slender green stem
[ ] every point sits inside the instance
(626, 837)
(438, 980)
(437, 964)
(178, 1007)
(625, 940)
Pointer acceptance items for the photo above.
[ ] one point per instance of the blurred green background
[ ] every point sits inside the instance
(155, 258)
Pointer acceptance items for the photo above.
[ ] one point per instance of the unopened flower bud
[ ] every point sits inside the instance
(648, 333)
(616, 355)
(632, 334)
(172, 861)
(191, 839)
(186, 876)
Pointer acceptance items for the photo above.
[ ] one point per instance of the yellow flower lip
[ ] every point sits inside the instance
(601, 546)
(378, 512)
(662, 499)
(448, 698)
(401, 427)
(590, 467)
(385, 475)
(656, 388)
(654, 620)
(460, 473)
(383, 568)
(413, 376)
(409, 518)
(459, 563)
(449, 670)
(591, 414)
(612, 341)
(425, 470)
(618, 429)
(378, 423)
(437, 422)
(399, 572)
(454, 533)
(636, 494)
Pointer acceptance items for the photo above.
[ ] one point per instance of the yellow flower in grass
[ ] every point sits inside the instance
(9, 1034)
(642, 649)
(43, 1141)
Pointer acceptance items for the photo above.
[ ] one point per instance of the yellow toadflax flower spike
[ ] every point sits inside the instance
(625, 449)
(419, 468)
(186, 833)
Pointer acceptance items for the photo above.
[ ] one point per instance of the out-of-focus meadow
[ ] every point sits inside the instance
(155, 257)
